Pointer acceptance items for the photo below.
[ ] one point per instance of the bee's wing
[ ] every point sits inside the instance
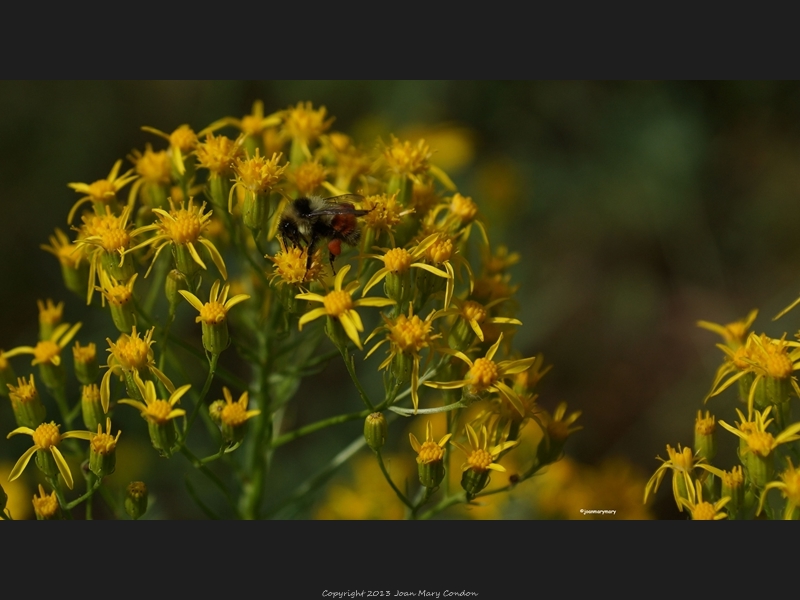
(339, 205)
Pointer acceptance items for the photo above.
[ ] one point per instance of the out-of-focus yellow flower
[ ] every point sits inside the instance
(18, 504)
(682, 463)
(153, 409)
(733, 334)
(789, 487)
(253, 124)
(308, 177)
(339, 304)
(103, 191)
(45, 505)
(400, 260)
(704, 511)
(182, 141)
(290, 266)
(303, 124)
(218, 153)
(49, 351)
(46, 438)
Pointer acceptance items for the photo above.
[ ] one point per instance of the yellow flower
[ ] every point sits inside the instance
(45, 505)
(258, 174)
(754, 433)
(339, 305)
(181, 142)
(485, 375)
(407, 335)
(153, 167)
(49, 351)
(253, 124)
(682, 463)
(480, 458)
(405, 158)
(216, 309)
(429, 451)
(400, 260)
(50, 314)
(789, 487)
(385, 213)
(500, 261)
(46, 438)
(217, 154)
(153, 409)
(304, 125)
(474, 313)
(733, 334)
(103, 191)
(308, 177)
(234, 414)
(69, 254)
(704, 511)
(131, 354)
(290, 266)
(183, 227)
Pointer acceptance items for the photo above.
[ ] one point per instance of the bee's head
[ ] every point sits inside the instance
(287, 229)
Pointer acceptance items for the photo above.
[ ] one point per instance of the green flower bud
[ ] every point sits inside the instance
(215, 336)
(175, 281)
(102, 451)
(26, 404)
(375, 430)
(86, 368)
(705, 444)
(136, 499)
(92, 407)
(163, 436)
(474, 481)
(733, 487)
(215, 411)
(46, 506)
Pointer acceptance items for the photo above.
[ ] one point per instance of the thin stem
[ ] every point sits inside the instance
(212, 367)
(397, 491)
(197, 463)
(86, 496)
(444, 504)
(322, 424)
(349, 362)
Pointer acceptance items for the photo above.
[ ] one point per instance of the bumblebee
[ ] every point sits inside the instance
(311, 219)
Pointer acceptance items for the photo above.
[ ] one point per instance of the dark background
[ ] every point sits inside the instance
(638, 208)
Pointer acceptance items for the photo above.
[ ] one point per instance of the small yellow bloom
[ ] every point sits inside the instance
(216, 309)
(789, 487)
(682, 463)
(474, 314)
(50, 314)
(102, 191)
(480, 457)
(49, 351)
(46, 438)
(235, 414)
(339, 304)
(308, 177)
(733, 334)
(754, 432)
(429, 451)
(69, 254)
(183, 227)
(45, 505)
(400, 260)
(218, 154)
(153, 409)
(290, 266)
(258, 174)
(304, 125)
(405, 158)
(485, 375)
(153, 167)
(182, 141)
(253, 124)
(385, 213)
(704, 511)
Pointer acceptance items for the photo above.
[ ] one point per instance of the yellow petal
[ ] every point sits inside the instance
(62, 465)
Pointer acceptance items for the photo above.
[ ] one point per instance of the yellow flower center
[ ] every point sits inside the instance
(185, 226)
(398, 260)
(154, 167)
(464, 208)
(705, 425)
(213, 313)
(91, 394)
(479, 460)
(683, 460)
(483, 373)
(259, 174)
(218, 153)
(46, 351)
(430, 452)
(45, 505)
(102, 190)
(290, 266)
(778, 365)
(440, 251)
(384, 212)
(46, 435)
(132, 352)
(103, 443)
(233, 414)
(50, 314)
(704, 511)
(473, 310)
(791, 479)
(113, 238)
(84, 354)
(24, 392)
(410, 334)
(158, 411)
(761, 443)
(183, 138)
(734, 478)
(119, 295)
(337, 303)
(306, 124)
(407, 159)
(309, 176)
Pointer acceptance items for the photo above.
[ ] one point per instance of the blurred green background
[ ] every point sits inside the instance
(638, 208)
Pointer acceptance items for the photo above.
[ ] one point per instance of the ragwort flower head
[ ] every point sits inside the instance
(682, 462)
(339, 305)
(103, 192)
(218, 153)
(153, 409)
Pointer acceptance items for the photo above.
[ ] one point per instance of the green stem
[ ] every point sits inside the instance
(400, 494)
(86, 496)
(152, 293)
(62, 501)
(349, 362)
(212, 367)
(444, 504)
(322, 424)
(197, 464)
(408, 412)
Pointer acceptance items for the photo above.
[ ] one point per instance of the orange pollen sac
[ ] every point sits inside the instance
(158, 411)
(46, 435)
(233, 414)
(103, 443)
(473, 310)
(483, 373)
(46, 351)
(440, 251)
(761, 443)
(410, 334)
(119, 295)
(704, 511)
(186, 227)
(398, 260)
(778, 366)
(337, 303)
(464, 208)
(479, 460)
(212, 313)
(430, 452)
(102, 190)
(113, 238)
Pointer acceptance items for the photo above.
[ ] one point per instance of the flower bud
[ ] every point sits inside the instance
(86, 368)
(375, 430)
(474, 481)
(46, 505)
(215, 336)
(215, 411)
(163, 436)
(705, 444)
(136, 499)
(733, 487)
(102, 451)
(92, 407)
(26, 404)
(175, 281)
